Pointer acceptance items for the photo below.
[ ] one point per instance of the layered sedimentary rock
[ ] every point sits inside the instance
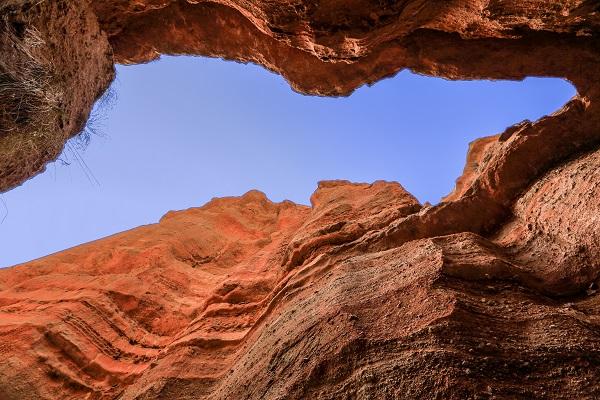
(248, 299)
(367, 294)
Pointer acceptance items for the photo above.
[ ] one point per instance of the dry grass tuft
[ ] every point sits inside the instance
(95, 123)
(27, 95)
(30, 102)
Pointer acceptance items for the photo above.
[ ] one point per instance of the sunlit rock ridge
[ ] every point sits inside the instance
(366, 294)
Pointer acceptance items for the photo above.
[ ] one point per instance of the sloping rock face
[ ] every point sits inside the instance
(367, 294)
(248, 299)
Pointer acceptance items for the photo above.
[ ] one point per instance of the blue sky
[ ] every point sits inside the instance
(183, 130)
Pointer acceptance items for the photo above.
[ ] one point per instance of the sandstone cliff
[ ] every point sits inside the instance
(364, 295)
(248, 299)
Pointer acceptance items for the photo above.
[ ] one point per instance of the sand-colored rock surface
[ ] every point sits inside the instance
(367, 294)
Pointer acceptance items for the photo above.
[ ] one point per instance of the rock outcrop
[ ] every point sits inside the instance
(367, 294)
(248, 299)
(321, 47)
(54, 63)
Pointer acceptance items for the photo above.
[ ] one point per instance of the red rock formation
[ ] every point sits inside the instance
(320, 47)
(244, 298)
(366, 294)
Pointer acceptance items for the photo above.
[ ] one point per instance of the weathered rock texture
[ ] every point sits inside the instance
(365, 295)
(320, 47)
(247, 299)
(54, 62)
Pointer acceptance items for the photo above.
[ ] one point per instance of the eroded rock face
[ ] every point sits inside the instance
(245, 298)
(321, 47)
(54, 63)
(364, 295)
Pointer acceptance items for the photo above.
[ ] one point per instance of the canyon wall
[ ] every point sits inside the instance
(367, 294)
(58, 54)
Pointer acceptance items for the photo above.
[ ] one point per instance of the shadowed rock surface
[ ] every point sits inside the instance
(364, 295)
(321, 47)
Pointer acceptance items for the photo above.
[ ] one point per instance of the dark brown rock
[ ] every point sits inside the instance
(54, 63)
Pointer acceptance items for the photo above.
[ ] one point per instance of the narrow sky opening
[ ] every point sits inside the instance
(184, 130)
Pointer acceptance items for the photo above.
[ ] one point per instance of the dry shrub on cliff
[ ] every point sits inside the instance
(29, 97)
(95, 122)
(32, 103)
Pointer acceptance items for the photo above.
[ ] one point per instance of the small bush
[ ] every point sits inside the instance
(30, 104)
(95, 123)
(27, 96)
